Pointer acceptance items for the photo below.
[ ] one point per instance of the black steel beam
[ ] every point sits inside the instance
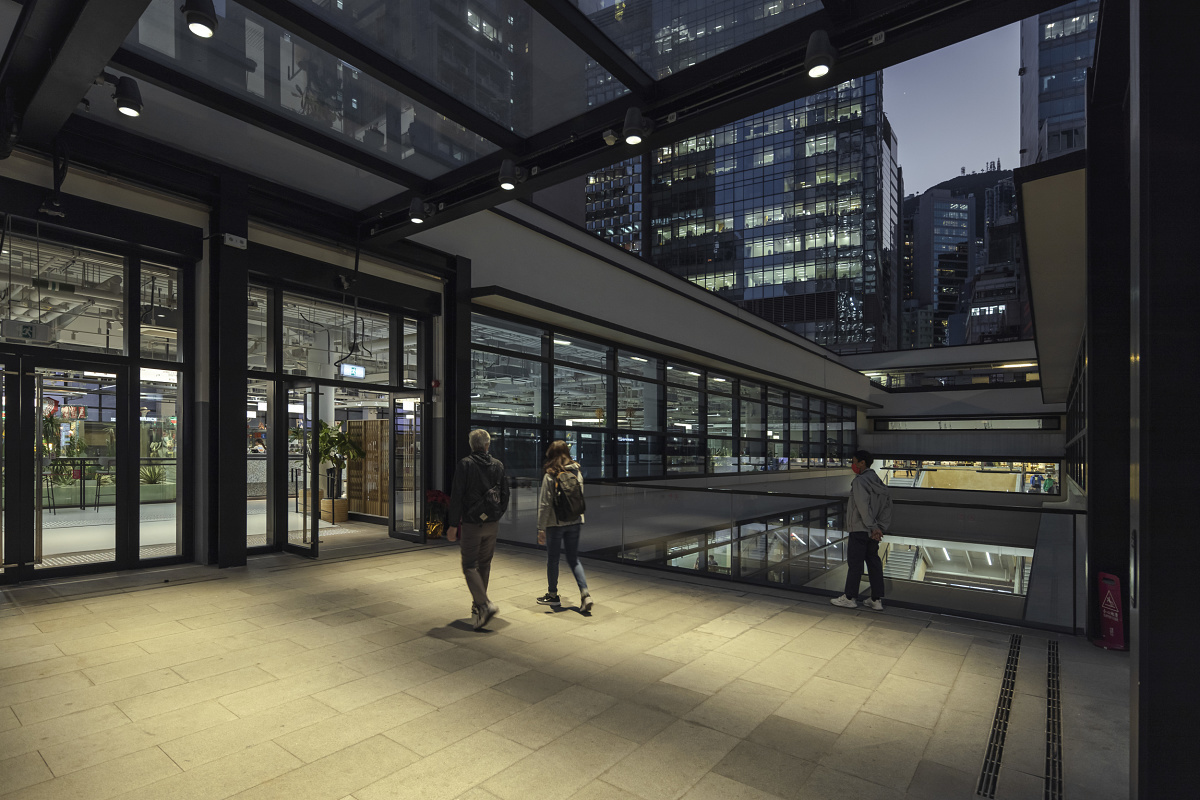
(749, 79)
(575, 25)
(315, 29)
(200, 92)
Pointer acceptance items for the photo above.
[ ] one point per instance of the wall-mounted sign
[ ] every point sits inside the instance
(25, 331)
(353, 371)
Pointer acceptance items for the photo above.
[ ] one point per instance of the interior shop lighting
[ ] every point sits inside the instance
(947, 552)
(201, 17)
(127, 95)
(989, 558)
(636, 126)
(510, 175)
(1014, 366)
(637, 358)
(820, 55)
(419, 210)
(562, 342)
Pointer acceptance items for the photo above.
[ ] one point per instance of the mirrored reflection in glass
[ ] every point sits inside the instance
(160, 454)
(303, 83)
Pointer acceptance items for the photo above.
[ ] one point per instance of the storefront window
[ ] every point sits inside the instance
(410, 350)
(639, 456)
(258, 300)
(505, 387)
(635, 364)
(683, 411)
(161, 520)
(324, 340)
(571, 348)
(580, 397)
(638, 404)
(161, 312)
(683, 375)
(504, 335)
(720, 415)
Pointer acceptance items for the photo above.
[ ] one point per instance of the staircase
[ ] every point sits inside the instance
(905, 481)
(901, 563)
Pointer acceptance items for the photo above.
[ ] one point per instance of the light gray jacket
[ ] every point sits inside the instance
(546, 515)
(870, 504)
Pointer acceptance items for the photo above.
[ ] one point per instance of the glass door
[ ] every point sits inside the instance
(305, 487)
(407, 518)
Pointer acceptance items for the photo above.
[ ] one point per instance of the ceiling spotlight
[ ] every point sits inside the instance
(510, 175)
(636, 126)
(201, 17)
(419, 210)
(128, 97)
(820, 55)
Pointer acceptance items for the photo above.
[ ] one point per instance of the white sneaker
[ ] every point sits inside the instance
(844, 602)
(873, 605)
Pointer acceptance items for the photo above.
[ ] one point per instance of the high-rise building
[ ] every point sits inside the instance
(1056, 50)
(793, 213)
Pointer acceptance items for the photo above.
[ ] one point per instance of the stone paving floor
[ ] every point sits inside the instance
(362, 679)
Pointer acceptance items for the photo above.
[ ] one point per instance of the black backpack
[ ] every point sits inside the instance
(487, 508)
(567, 497)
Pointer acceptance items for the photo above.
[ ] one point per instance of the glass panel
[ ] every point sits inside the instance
(580, 398)
(410, 346)
(637, 405)
(684, 455)
(75, 520)
(683, 411)
(720, 383)
(569, 348)
(304, 511)
(1027, 477)
(324, 340)
(590, 450)
(666, 37)
(160, 520)
(522, 451)
(258, 442)
(308, 85)
(720, 455)
(258, 300)
(3, 483)
(684, 376)
(752, 420)
(62, 297)
(799, 400)
(639, 455)
(500, 58)
(720, 415)
(634, 364)
(364, 480)
(505, 387)
(749, 390)
(162, 311)
(504, 335)
(406, 456)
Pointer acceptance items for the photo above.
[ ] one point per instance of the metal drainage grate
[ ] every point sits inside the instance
(1054, 766)
(995, 748)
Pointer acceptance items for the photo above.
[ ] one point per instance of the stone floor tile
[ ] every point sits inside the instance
(42, 687)
(351, 694)
(532, 686)
(765, 769)
(825, 783)
(858, 668)
(883, 641)
(428, 734)
(449, 772)
(8, 720)
(932, 666)
(784, 670)
(103, 780)
(447, 689)
(788, 623)
(345, 772)
(986, 659)
(335, 733)
(635, 722)
(933, 781)
(825, 704)
(1025, 742)
(945, 641)
(227, 738)
(797, 739)
(975, 693)
(276, 692)
(223, 778)
(754, 644)
(672, 762)
(709, 673)
(718, 787)
(57, 666)
(724, 627)
(543, 722)
(738, 708)
(96, 748)
(878, 749)
(59, 705)
(562, 767)
(387, 656)
(630, 675)
(687, 647)
(819, 643)
(1012, 784)
(21, 771)
(960, 740)
(218, 686)
(846, 622)
(907, 700)
(229, 661)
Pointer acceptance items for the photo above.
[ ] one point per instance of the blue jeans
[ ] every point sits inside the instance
(565, 538)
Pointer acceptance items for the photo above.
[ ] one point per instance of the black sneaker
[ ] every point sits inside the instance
(549, 600)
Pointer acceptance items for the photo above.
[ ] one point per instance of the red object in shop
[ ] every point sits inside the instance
(1112, 623)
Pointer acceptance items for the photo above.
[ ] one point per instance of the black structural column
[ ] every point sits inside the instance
(227, 475)
(456, 389)
(1107, 386)
(1164, 352)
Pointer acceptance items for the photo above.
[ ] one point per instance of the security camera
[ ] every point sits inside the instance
(610, 137)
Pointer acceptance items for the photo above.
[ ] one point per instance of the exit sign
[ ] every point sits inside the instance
(25, 331)
(353, 371)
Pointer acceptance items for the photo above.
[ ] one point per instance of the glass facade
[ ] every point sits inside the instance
(633, 415)
(1057, 49)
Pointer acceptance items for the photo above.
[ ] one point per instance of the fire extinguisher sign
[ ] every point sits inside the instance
(1112, 624)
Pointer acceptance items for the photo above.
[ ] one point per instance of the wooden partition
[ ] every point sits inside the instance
(368, 477)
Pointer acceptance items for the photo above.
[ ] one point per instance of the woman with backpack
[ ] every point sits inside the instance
(560, 515)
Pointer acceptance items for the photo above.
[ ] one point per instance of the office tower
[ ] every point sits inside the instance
(793, 213)
(944, 248)
(1056, 50)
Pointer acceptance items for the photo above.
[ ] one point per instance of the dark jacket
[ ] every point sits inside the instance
(870, 504)
(473, 476)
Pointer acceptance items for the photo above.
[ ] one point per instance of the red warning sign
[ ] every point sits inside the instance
(1112, 625)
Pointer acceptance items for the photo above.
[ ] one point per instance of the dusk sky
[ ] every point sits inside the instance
(957, 107)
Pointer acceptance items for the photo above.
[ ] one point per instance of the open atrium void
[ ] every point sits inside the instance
(266, 264)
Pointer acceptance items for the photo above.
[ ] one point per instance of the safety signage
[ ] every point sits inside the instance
(1112, 624)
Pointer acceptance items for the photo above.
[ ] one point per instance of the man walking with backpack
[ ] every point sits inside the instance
(560, 515)
(868, 516)
(478, 499)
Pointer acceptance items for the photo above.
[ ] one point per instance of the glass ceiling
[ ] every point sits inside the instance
(500, 57)
(666, 36)
(258, 61)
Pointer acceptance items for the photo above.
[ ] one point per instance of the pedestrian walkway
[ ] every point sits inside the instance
(361, 678)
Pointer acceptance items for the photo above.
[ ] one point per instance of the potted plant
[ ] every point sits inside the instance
(155, 488)
(336, 448)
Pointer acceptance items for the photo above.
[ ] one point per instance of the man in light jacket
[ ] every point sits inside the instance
(868, 516)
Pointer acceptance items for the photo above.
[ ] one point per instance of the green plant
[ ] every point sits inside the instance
(334, 446)
(61, 473)
(152, 475)
(50, 430)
